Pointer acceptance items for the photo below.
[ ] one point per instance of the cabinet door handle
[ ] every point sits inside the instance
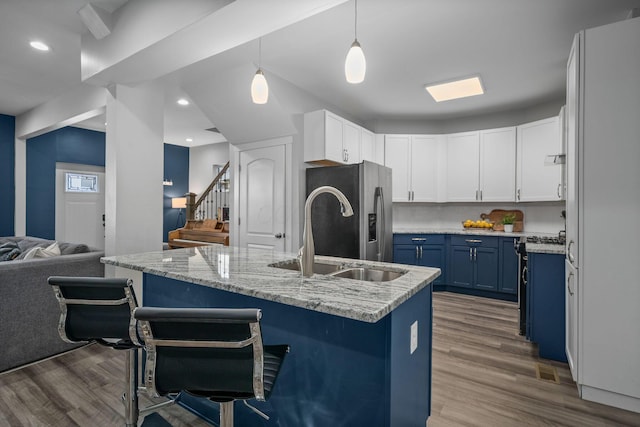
(518, 194)
(559, 191)
(476, 194)
(418, 239)
(413, 195)
(475, 254)
(480, 194)
(570, 256)
(420, 252)
(569, 284)
(473, 241)
(470, 254)
(417, 252)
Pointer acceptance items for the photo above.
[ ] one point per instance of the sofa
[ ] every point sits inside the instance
(29, 311)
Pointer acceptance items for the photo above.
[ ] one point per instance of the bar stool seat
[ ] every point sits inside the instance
(209, 352)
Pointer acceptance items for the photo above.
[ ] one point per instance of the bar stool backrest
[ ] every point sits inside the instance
(96, 309)
(210, 352)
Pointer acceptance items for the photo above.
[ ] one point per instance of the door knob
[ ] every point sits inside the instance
(279, 236)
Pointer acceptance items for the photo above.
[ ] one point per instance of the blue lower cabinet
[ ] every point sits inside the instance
(546, 304)
(461, 267)
(474, 262)
(508, 266)
(427, 250)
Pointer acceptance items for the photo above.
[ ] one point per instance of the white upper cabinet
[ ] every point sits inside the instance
(330, 139)
(351, 143)
(538, 180)
(397, 155)
(481, 166)
(463, 167)
(413, 160)
(498, 165)
(367, 146)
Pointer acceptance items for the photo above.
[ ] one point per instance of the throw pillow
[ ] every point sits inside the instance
(72, 248)
(48, 252)
(9, 251)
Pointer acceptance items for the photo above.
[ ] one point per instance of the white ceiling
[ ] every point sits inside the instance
(519, 48)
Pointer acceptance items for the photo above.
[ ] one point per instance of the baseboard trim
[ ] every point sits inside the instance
(610, 398)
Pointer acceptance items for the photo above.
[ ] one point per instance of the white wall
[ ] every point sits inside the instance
(538, 217)
(201, 161)
(477, 122)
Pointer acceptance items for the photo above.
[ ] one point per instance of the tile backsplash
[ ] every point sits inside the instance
(544, 217)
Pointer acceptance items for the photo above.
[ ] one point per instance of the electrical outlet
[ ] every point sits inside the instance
(414, 337)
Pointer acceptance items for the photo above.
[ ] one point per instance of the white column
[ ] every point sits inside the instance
(134, 169)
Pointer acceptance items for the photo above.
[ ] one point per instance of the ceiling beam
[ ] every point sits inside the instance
(153, 38)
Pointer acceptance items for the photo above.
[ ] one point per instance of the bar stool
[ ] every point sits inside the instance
(97, 309)
(209, 352)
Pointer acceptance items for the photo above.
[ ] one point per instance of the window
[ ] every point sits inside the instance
(81, 183)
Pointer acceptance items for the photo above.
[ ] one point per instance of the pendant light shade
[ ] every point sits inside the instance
(355, 66)
(259, 88)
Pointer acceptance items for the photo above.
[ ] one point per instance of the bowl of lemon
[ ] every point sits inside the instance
(481, 223)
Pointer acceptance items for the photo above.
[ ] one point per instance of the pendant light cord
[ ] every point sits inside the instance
(259, 52)
(355, 23)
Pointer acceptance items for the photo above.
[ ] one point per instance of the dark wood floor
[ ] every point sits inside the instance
(483, 375)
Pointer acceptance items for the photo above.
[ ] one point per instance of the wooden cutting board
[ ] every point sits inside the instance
(496, 215)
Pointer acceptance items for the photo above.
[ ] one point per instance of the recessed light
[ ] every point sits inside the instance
(39, 45)
(456, 89)
(182, 101)
(189, 140)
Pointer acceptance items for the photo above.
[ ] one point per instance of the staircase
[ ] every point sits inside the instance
(207, 217)
(214, 201)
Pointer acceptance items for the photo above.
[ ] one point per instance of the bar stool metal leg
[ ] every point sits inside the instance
(226, 414)
(131, 394)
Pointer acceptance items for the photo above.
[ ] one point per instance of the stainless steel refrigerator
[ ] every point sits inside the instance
(368, 233)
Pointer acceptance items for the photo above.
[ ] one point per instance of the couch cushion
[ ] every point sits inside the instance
(48, 252)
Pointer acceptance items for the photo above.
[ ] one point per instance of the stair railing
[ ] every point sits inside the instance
(211, 203)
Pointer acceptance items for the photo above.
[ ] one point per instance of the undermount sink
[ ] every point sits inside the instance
(338, 270)
(369, 274)
(318, 267)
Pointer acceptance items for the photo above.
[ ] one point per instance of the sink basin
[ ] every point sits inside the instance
(318, 267)
(369, 274)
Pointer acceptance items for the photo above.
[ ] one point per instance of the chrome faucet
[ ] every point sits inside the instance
(307, 251)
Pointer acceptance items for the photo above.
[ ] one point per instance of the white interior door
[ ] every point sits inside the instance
(262, 200)
(79, 213)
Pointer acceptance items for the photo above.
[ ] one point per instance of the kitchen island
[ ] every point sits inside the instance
(353, 359)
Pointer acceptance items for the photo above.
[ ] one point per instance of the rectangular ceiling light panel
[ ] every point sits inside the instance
(456, 89)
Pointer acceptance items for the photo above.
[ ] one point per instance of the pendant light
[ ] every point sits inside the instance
(355, 66)
(259, 87)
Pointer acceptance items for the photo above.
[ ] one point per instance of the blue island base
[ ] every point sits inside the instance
(340, 372)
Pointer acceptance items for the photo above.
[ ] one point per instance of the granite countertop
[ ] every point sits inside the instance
(247, 272)
(472, 231)
(545, 248)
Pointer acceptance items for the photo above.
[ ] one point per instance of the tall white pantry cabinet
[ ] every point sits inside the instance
(603, 207)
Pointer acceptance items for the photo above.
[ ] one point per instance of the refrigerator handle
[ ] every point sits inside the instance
(382, 232)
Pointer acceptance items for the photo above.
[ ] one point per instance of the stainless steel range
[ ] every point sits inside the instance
(521, 250)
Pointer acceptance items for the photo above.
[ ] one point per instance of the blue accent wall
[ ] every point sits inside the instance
(69, 145)
(176, 169)
(7, 174)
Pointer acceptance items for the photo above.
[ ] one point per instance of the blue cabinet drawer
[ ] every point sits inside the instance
(473, 240)
(418, 239)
